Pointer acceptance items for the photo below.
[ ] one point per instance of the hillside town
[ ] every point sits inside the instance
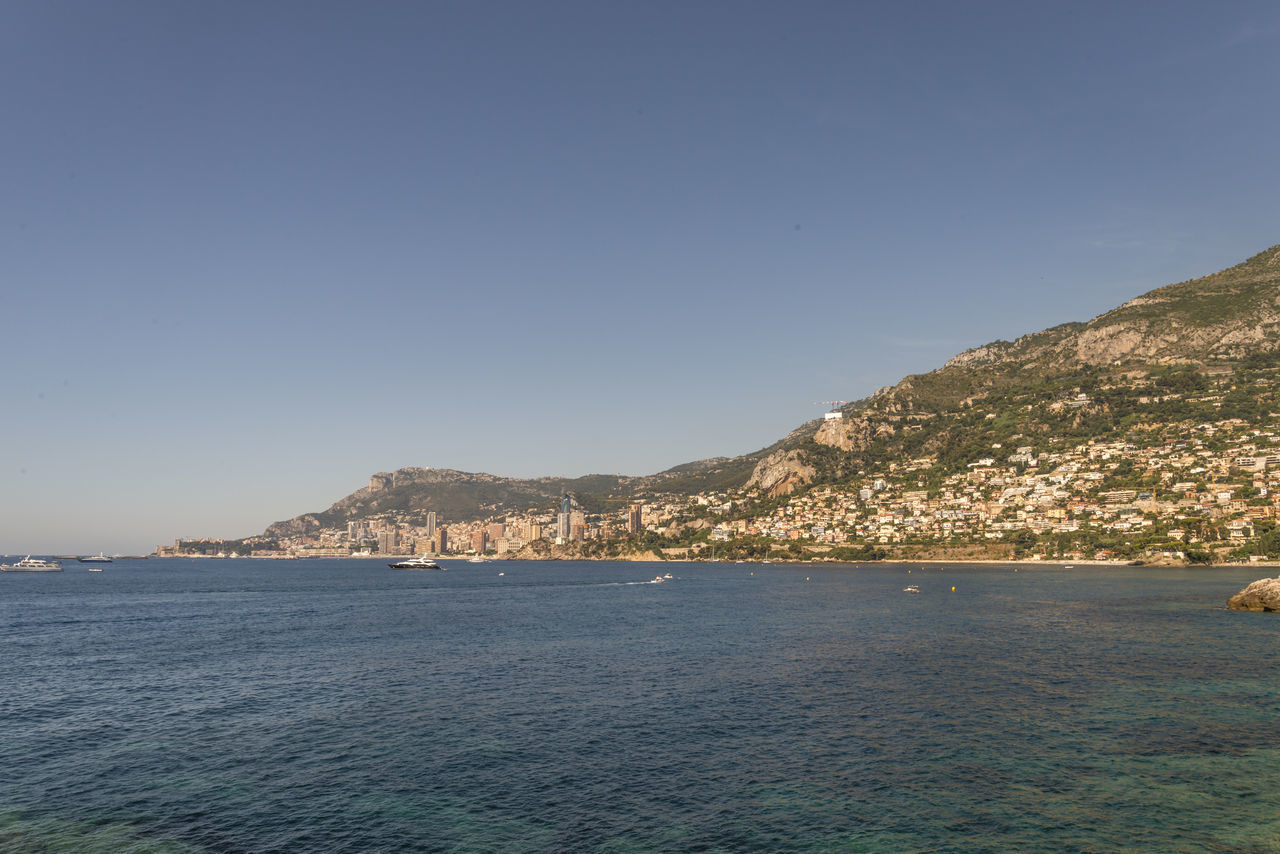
(1213, 493)
(1171, 493)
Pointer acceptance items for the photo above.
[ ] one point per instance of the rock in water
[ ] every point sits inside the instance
(1261, 595)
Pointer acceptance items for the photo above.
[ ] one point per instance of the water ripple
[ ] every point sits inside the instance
(328, 706)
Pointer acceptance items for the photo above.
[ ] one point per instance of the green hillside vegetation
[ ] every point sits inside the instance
(1208, 301)
(708, 476)
(1013, 408)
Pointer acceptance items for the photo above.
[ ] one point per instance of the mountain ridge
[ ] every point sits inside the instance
(1229, 315)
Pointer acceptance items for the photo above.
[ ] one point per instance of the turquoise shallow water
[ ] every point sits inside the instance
(257, 706)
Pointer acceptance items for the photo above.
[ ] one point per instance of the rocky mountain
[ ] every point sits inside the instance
(1222, 316)
(1163, 338)
(466, 496)
(1072, 381)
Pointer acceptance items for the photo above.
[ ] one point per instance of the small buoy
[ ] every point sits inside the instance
(753, 573)
(953, 589)
(806, 578)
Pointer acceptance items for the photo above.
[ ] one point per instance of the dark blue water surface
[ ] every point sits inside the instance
(339, 706)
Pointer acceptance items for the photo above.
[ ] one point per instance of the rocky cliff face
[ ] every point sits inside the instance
(299, 525)
(852, 433)
(847, 434)
(1224, 316)
(983, 355)
(406, 488)
(781, 472)
(383, 483)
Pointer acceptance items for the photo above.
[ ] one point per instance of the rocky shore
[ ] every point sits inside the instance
(1261, 595)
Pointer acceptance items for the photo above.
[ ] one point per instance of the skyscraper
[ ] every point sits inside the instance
(389, 541)
(563, 520)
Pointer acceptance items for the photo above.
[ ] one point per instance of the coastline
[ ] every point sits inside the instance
(650, 557)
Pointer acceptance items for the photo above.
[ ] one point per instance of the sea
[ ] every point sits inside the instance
(169, 705)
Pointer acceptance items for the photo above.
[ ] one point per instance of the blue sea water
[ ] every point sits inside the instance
(339, 706)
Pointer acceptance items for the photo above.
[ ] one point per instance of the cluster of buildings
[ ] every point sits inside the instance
(1210, 487)
(1170, 490)
(397, 533)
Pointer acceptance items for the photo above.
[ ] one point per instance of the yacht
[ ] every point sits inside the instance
(98, 558)
(30, 564)
(911, 588)
(415, 563)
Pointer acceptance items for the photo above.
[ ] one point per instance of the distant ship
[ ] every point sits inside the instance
(30, 564)
(99, 558)
(415, 563)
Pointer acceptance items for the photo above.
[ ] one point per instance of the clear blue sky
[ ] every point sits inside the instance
(253, 252)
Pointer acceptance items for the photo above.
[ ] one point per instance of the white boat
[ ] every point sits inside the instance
(95, 569)
(99, 558)
(30, 564)
(476, 559)
(668, 575)
(415, 563)
(657, 579)
(911, 588)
